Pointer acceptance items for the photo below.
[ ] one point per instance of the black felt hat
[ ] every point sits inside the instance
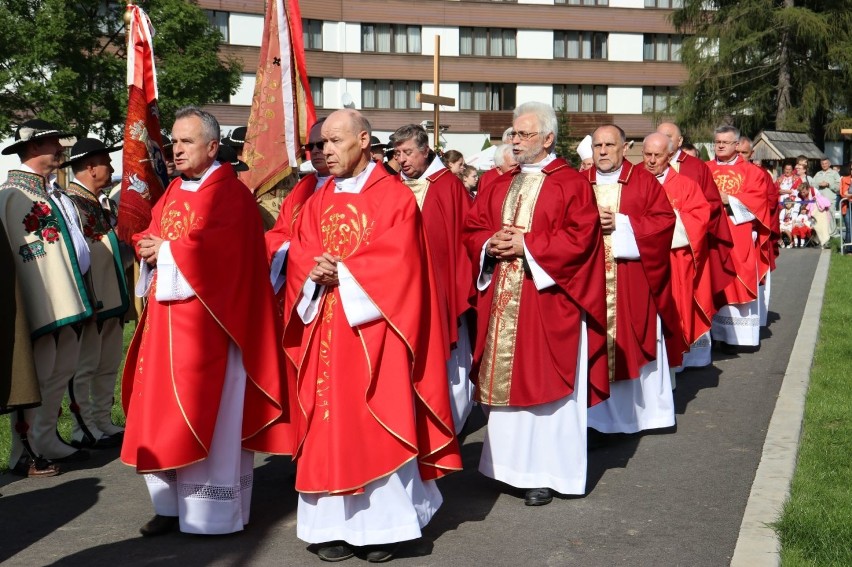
(376, 143)
(229, 154)
(35, 129)
(88, 147)
(236, 138)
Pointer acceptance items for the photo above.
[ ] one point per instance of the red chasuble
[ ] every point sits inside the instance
(690, 277)
(644, 288)
(720, 242)
(772, 196)
(535, 337)
(746, 183)
(444, 203)
(373, 397)
(291, 206)
(486, 180)
(175, 367)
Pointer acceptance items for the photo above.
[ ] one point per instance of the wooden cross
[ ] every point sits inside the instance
(436, 99)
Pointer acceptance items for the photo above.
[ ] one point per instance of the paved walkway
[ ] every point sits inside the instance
(659, 499)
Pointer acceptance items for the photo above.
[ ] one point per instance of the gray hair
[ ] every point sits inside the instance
(544, 114)
(412, 132)
(209, 124)
(507, 138)
(746, 139)
(728, 129)
(501, 154)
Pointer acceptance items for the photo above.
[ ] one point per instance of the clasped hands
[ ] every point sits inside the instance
(607, 219)
(325, 272)
(149, 248)
(506, 244)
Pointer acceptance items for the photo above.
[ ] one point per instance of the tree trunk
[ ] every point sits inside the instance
(783, 100)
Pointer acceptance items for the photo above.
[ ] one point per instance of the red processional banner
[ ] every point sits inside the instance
(282, 110)
(144, 177)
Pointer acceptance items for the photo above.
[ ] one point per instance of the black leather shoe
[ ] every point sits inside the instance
(380, 553)
(334, 551)
(35, 468)
(538, 496)
(159, 525)
(105, 442)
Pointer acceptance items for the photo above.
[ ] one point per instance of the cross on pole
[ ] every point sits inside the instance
(436, 99)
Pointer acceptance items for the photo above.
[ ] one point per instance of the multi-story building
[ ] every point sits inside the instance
(597, 60)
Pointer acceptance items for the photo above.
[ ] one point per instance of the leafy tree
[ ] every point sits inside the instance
(65, 61)
(565, 144)
(777, 64)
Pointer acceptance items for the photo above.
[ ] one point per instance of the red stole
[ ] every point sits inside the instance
(690, 278)
(175, 367)
(371, 398)
(564, 237)
(644, 288)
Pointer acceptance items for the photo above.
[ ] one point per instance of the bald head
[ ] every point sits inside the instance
(657, 149)
(346, 142)
(671, 130)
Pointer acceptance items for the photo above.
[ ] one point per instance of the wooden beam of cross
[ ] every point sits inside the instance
(436, 99)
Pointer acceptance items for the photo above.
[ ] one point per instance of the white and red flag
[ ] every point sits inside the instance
(282, 110)
(144, 177)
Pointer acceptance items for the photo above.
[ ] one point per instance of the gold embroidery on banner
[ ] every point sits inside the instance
(495, 373)
(419, 187)
(343, 233)
(176, 223)
(610, 196)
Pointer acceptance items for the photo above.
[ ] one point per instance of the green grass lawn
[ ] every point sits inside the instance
(816, 525)
(66, 419)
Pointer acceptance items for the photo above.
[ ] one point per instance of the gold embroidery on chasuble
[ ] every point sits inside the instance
(495, 373)
(729, 183)
(419, 187)
(675, 166)
(324, 378)
(178, 222)
(610, 196)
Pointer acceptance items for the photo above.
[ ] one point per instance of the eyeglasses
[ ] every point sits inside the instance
(723, 143)
(311, 145)
(522, 135)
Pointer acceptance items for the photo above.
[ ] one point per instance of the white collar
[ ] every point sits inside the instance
(321, 179)
(729, 162)
(539, 165)
(608, 178)
(436, 165)
(193, 186)
(353, 184)
(662, 177)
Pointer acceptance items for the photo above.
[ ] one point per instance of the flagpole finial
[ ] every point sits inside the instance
(127, 13)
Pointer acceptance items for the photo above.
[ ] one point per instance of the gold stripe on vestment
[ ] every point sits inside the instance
(419, 187)
(675, 165)
(609, 196)
(495, 373)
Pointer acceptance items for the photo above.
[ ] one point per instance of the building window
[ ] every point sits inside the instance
(487, 96)
(662, 47)
(316, 90)
(219, 20)
(312, 33)
(390, 38)
(658, 99)
(494, 42)
(579, 98)
(580, 45)
(664, 4)
(384, 94)
(583, 2)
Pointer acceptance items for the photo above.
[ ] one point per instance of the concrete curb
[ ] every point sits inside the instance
(757, 544)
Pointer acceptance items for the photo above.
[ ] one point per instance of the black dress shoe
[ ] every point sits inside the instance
(35, 468)
(105, 442)
(334, 551)
(159, 525)
(381, 553)
(75, 457)
(538, 496)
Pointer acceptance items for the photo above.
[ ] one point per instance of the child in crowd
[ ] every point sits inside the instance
(786, 220)
(801, 232)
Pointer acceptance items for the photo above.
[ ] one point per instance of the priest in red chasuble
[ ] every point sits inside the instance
(643, 326)
(720, 243)
(690, 277)
(744, 193)
(444, 203)
(540, 355)
(203, 381)
(364, 330)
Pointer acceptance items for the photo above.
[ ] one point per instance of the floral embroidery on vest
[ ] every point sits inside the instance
(41, 220)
